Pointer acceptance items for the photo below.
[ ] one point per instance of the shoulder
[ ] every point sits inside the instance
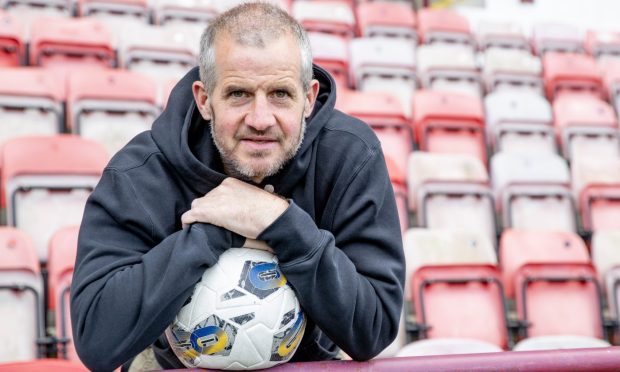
(349, 134)
(135, 154)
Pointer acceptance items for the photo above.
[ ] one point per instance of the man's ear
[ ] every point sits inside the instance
(311, 95)
(202, 99)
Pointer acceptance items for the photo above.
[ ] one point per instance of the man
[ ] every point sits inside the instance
(250, 149)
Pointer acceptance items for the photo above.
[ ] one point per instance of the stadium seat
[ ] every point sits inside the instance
(28, 10)
(559, 342)
(384, 64)
(115, 13)
(444, 247)
(585, 126)
(61, 260)
(444, 26)
(450, 191)
(570, 72)
(559, 299)
(606, 260)
(512, 69)
(449, 68)
(192, 12)
(521, 247)
(46, 181)
(556, 37)
(596, 188)
(332, 53)
(12, 45)
(167, 54)
(519, 121)
(21, 297)
(533, 191)
(446, 122)
(67, 44)
(330, 17)
(603, 44)
(386, 19)
(464, 301)
(31, 102)
(383, 112)
(47, 365)
(503, 35)
(110, 106)
(447, 346)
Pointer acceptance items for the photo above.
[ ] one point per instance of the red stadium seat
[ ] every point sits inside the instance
(570, 72)
(12, 46)
(47, 365)
(558, 37)
(464, 301)
(46, 181)
(332, 53)
(533, 191)
(596, 188)
(445, 122)
(603, 44)
(67, 44)
(110, 106)
(31, 102)
(502, 35)
(21, 297)
(512, 69)
(452, 192)
(386, 19)
(443, 25)
(521, 247)
(60, 264)
(559, 299)
(167, 54)
(331, 17)
(585, 126)
(519, 121)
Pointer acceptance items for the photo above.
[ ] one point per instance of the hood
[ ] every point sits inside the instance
(172, 132)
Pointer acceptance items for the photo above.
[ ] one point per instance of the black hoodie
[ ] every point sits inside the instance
(338, 243)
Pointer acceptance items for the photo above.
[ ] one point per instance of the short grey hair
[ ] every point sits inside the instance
(252, 24)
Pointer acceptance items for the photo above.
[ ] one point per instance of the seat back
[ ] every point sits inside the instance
(331, 17)
(386, 19)
(566, 72)
(559, 37)
(443, 26)
(12, 45)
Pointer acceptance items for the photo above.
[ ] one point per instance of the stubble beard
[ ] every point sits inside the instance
(235, 168)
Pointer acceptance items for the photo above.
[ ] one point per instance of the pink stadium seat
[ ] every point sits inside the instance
(450, 191)
(60, 264)
(521, 247)
(332, 53)
(569, 72)
(559, 299)
(12, 46)
(443, 25)
(31, 102)
(596, 188)
(110, 106)
(47, 365)
(387, 19)
(461, 301)
(446, 122)
(519, 121)
(533, 191)
(46, 181)
(193, 12)
(331, 17)
(602, 44)
(558, 37)
(67, 44)
(21, 297)
(585, 126)
(502, 35)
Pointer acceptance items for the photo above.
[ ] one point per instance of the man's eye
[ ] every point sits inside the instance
(281, 94)
(237, 94)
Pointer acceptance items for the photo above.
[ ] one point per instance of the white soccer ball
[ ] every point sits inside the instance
(242, 315)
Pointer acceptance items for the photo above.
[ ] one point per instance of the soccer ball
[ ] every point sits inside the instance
(241, 315)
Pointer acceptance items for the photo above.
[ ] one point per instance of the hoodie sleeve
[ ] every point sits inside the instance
(349, 279)
(126, 287)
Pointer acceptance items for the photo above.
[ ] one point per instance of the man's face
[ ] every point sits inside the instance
(258, 106)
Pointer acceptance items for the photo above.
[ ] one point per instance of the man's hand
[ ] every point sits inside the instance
(237, 206)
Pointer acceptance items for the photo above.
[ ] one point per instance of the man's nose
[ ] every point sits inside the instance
(261, 115)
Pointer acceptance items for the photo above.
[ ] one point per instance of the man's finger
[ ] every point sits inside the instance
(188, 218)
